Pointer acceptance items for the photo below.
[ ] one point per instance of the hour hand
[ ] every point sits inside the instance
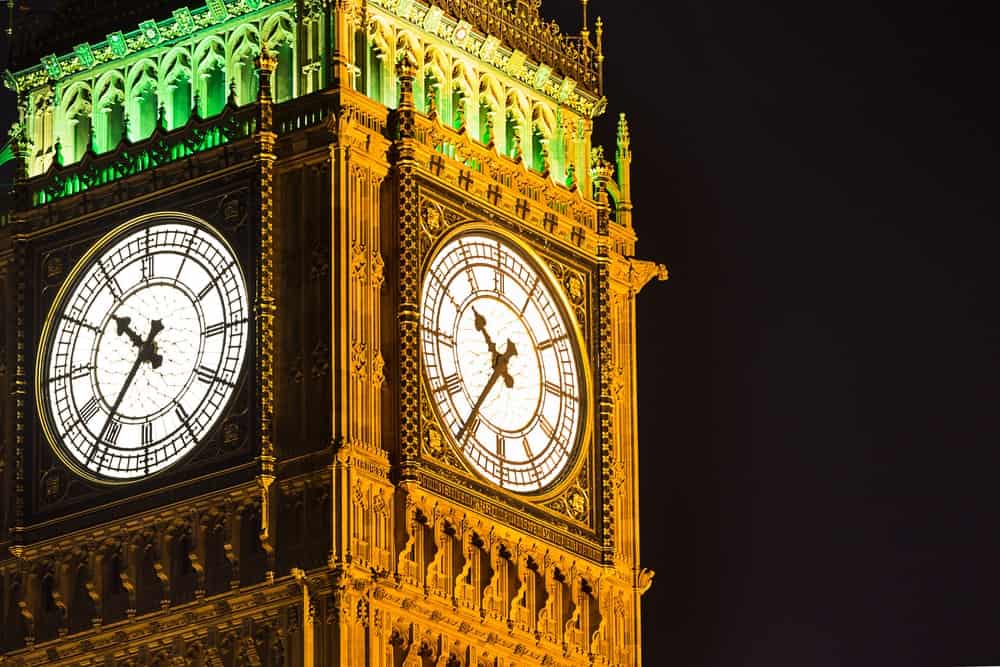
(147, 351)
(480, 323)
(124, 328)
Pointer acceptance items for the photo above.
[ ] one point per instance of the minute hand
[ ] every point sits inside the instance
(145, 354)
(499, 370)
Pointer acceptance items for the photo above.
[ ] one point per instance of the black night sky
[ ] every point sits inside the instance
(819, 377)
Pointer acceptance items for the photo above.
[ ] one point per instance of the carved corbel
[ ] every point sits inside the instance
(197, 555)
(232, 544)
(29, 604)
(96, 564)
(499, 594)
(557, 613)
(131, 556)
(62, 592)
(162, 547)
(641, 271)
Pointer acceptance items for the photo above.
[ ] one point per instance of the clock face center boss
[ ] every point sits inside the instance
(502, 361)
(143, 348)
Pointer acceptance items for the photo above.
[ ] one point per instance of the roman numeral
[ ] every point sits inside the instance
(546, 344)
(205, 374)
(527, 450)
(215, 329)
(555, 389)
(452, 384)
(473, 283)
(147, 267)
(147, 434)
(467, 437)
(501, 447)
(205, 290)
(444, 338)
(75, 374)
(111, 432)
(89, 409)
(527, 300)
(498, 281)
(116, 290)
(183, 417)
(549, 430)
(81, 323)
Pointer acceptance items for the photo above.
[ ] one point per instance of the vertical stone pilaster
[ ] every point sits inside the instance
(20, 386)
(265, 305)
(605, 363)
(409, 273)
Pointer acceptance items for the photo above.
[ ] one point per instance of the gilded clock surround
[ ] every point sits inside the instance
(439, 234)
(59, 303)
(325, 523)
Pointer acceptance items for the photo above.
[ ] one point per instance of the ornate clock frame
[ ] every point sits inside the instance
(55, 500)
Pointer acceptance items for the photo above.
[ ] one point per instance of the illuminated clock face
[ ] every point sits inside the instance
(501, 362)
(143, 348)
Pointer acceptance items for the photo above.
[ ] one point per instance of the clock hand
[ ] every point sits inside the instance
(147, 352)
(499, 370)
(124, 328)
(480, 323)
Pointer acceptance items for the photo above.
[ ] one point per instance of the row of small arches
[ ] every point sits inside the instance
(464, 96)
(196, 78)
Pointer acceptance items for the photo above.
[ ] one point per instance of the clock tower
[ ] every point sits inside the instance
(318, 343)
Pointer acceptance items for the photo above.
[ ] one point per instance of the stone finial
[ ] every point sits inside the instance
(266, 64)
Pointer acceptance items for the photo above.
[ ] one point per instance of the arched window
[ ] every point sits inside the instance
(284, 73)
(178, 93)
(145, 107)
(109, 118)
(457, 107)
(43, 134)
(486, 123)
(538, 149)
(362, 63)
(245, 46)
(247, 79)
(75, 136)
(278, 34)
(212, 89)
(144, 101)
(180, 101)
(211, 82)
(379, 65)
(377, 76)
(432, 93)
(511, 140)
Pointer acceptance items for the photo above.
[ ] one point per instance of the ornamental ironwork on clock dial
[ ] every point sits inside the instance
(143, 348)
(502, 361)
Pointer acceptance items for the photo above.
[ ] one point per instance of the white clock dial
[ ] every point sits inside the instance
(143, 348)
(501, 361)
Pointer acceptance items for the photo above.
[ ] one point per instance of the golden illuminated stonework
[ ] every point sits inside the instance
(418, 440)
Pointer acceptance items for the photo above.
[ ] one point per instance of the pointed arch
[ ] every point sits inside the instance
(490, 112)
(210, 76)
(243, 46)
(378, 63)
(176, 83)
(462, 96)
(434, 81)
(517, 128)
(77, 109)
(143, 99)
(278, 34)
(109, 111)
(542, 151)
